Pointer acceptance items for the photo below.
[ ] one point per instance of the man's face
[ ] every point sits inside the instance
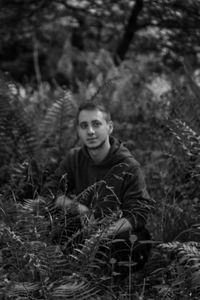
(93, 129)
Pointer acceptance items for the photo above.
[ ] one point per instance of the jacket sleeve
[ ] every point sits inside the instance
(62, 181)
(136, 202)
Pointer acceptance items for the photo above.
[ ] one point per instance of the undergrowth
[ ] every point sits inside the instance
(32, 267)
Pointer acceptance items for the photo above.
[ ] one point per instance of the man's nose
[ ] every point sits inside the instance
(90, 130)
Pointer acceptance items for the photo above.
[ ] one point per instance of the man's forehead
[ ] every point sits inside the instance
(91, 115)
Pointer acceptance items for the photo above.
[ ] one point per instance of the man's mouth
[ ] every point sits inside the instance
(91, 139)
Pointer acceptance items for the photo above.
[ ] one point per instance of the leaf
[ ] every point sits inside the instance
(23, 289)
(127, 263)
(133, 238)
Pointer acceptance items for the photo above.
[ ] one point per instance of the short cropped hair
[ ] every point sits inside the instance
(91, 105)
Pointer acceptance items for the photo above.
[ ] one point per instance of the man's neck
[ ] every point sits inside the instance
(99, 154)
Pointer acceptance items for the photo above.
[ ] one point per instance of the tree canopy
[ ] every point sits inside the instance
(36, 33)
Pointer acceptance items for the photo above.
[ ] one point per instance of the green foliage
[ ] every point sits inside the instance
(181, 179)
(163, 134)
(182, 274)
(57, 124)
(52, 37)
(34, 267)
(31, 148)
(17, 140)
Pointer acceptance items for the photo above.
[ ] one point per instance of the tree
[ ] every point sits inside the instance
(33, 31)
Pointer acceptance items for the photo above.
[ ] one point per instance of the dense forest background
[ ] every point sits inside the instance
(142, 59)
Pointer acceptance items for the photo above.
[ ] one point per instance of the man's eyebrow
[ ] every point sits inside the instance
(95, 120)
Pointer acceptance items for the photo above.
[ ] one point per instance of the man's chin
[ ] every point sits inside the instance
(95, 146)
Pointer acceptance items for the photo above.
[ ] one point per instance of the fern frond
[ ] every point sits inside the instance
(59, 116)
(5, 146)
(46, 266)
(186, 255)
(89, 258)
(48, 260)
(89, 192)
(86, 253)
(21, 138)
(108, 84)
(194, 87)
(24, 289)
(188, 139)
(5, 95)
(25, 179)
(75, 288)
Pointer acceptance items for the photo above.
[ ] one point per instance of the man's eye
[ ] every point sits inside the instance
(96, 124)
(83, 125)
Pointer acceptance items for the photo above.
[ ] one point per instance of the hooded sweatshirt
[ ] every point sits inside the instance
(114, 184)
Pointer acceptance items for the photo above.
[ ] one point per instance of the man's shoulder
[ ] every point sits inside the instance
(128, 156)
(71, 154)
(131, 162)
(74, 151)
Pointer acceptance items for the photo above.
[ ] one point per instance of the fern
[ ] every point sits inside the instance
(183, 177)
(185, 261)
(27, 248)
(182, 101)
(58, 122)
(38, 146)
(89, 191)
(18, 136)
(75, 288)
(25, 290)
(188, 138)
(87, 257)
(188, 157)
(108, 84)
(22, 135)
(194, 87)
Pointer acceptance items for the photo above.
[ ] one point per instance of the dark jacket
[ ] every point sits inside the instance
(114, 184)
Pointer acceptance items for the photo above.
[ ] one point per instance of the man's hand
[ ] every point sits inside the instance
(63, 201)
(82, 209)
(73, 205)
(120, 226)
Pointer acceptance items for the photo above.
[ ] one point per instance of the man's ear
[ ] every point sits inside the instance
(110, 127)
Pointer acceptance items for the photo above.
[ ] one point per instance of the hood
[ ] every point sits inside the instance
(116, 154)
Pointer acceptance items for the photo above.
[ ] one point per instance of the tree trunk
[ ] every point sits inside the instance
(129, 32)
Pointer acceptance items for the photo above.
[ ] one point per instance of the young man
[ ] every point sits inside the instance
(106, 179)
